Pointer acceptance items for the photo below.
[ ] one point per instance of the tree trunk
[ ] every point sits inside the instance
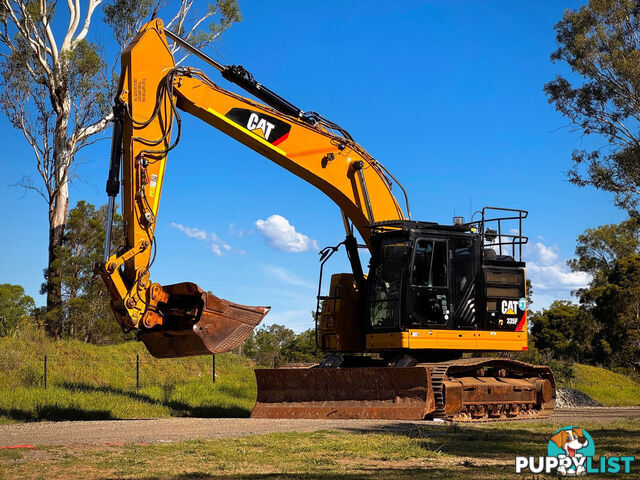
(58, 210)
(57, 219)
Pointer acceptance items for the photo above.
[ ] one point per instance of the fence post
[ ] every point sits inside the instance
(213, 368)
(137, 371)
(45, 371)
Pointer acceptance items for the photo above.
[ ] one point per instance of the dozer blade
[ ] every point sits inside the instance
(199, 323)
(371, 392)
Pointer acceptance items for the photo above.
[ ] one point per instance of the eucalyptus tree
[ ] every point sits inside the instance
(600, 43)
(57, 85)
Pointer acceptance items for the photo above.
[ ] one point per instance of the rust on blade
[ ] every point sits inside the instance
(172, 343)
(377, 393)
(224, 325)
(199, 323)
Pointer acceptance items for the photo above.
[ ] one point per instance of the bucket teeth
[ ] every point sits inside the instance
(199, 323)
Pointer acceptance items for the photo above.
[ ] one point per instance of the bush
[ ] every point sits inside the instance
(269, 346)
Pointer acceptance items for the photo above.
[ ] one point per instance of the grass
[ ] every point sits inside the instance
(606, 386)
(92, 382)
(98, 382)
(89, 382)
(484, 451)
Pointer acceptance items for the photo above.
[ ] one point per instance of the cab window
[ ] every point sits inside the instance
(385, 300)
(430, 264)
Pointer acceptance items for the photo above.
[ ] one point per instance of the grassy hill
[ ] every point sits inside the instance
(99, 382)
(605, 386)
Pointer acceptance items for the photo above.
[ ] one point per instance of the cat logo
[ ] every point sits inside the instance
(509, 307)
(260, 126)
(272, 129)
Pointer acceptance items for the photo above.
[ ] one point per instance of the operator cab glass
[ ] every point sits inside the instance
(387, 284)
(464, 289)
(428, 296)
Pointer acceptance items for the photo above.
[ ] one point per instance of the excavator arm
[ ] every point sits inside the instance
(182, 319)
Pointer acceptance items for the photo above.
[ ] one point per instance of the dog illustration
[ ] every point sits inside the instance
(570, 441)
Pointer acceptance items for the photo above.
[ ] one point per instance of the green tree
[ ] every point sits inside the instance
(56, 86)
(599, 248)
(610, 304)
(15, 306)
(600, 43)
(615, 304)
(265, 344)
(302, 348)
(85, 313)
(278, 344)
(564, 331)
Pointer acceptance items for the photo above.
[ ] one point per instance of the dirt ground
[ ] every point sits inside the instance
(167, 430)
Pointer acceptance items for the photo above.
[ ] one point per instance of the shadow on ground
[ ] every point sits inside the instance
(391, 474)
(178, 409)
(53, 413)
(491, 442)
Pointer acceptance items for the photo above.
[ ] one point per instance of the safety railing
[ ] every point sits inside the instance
(501, 230)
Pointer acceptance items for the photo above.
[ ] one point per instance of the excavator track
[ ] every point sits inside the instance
(490, 389)
(438, 371)
(464, 390)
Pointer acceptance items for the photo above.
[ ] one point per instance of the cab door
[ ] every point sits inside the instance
(429, 295)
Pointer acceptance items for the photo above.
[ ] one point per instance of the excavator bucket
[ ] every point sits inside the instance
(199, 323)
(368, 392)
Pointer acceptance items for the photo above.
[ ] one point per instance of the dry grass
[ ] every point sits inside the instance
(433, 451)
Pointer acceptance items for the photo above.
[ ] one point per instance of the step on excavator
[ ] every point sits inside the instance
(399, 341)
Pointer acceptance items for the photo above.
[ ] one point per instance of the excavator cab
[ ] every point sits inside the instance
(414, 271)
(431, 283)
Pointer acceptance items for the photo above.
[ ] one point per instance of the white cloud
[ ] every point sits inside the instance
(217, 246)
(556, 276)
(191, 232)
(550, 276)
(220, 248)
(286, 276)
(547, 255)
(281, 235)
(239, 232)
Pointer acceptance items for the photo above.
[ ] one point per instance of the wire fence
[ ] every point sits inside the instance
(130, 371)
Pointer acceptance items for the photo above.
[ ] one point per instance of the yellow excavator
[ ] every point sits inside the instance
(398, 340)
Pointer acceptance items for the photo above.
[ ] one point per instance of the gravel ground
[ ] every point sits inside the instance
(569, 398)
(161, 430)
(175, 429)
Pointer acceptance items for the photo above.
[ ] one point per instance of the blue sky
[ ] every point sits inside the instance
(447, 95)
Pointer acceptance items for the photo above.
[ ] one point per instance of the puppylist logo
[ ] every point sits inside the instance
(571, 452)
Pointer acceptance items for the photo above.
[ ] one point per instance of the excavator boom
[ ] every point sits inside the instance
(182, 319)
